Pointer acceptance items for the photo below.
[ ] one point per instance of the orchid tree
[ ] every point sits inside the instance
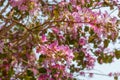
(53, 39)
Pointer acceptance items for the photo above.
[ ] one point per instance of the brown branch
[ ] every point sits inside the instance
(9, 19)
(60, 22)
(93, 74)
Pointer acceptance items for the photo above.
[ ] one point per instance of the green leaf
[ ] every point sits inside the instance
(72, 68)
(106, 43)
(2, 56)
(41, 58)
(29, 73)
(86, 28)
(70, 7)
(91, 32)
(95, 45)
(115, 77)
(11, 72)
(99, 59)
(1, 3)
(56, 13)
(42, 70)
(117, 54)
(107, 59)
(28, 78)
(111, 7)
(91, 38)
(110, 59)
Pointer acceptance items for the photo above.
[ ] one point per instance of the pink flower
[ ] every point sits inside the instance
(90, 74)
(15, 3)
(23, 7)
(110, 74)
(35, 71)
(54, 45)
(61, 36)
(89, 61)
(42, 49)
(65, 50)
(88, 1)
(58, 66)
(82, 41)
(43, 77)
(83, 2)
(56, 75)
(55, 30)
(44, 38)
(76, 16)
(73, 2)
(82, 73)
(69, 53)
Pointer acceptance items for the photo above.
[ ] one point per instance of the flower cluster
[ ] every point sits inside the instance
(54, 50)
(87, 17)
(95, 20)
(57, 70)
(90, 61)
(57, 57)
(25, 5)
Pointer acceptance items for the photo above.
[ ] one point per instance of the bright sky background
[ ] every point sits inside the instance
(103, 69)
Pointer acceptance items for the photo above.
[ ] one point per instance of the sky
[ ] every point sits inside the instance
(103, 69)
